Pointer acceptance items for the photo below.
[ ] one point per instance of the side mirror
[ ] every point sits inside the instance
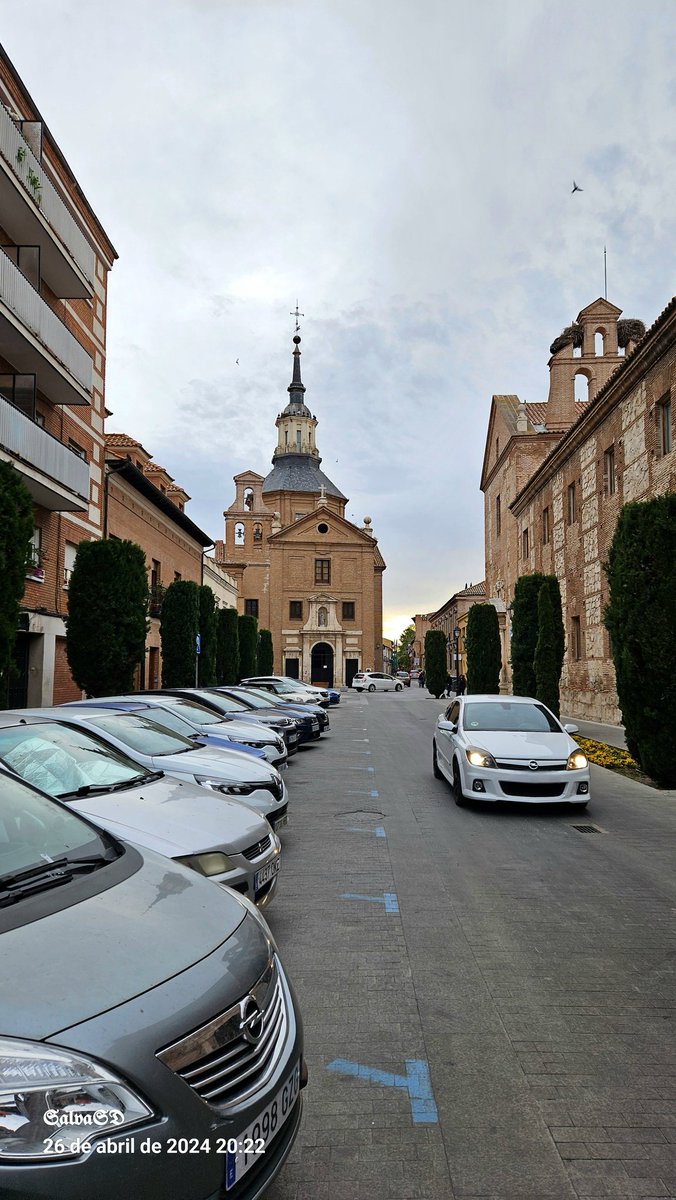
(571, 729)
(448, 726)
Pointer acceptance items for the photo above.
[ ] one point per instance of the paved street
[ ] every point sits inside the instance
(489, 996)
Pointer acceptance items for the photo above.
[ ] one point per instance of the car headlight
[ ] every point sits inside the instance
(479, 758)
(228, 789)
(211, 863)
(53, 1101)
(577, 761)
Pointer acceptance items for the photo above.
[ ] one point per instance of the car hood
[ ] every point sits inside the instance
(234, 728)
(521, 745)
(228, 765)
(74, 964)
(175, 818)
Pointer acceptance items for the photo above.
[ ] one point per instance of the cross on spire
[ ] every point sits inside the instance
(297, 314)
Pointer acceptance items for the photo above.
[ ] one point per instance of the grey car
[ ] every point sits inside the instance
(150, 1042)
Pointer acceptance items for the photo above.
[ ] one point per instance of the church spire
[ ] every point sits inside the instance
(296, 388)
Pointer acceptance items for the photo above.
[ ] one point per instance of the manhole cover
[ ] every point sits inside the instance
(365, 814)
(586, 828)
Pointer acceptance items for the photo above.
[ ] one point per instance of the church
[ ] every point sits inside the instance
(310, 576)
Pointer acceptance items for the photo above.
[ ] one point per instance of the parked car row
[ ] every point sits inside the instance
(157, 1044)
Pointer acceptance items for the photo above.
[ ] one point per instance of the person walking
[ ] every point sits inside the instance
(449, 686)
(462, 685)
(421, 679)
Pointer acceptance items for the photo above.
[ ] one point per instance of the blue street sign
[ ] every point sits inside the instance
(198, 644)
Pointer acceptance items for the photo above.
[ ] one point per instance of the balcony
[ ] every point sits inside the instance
(155, 598)
(57, 478)
(35, 341)
(35, 215)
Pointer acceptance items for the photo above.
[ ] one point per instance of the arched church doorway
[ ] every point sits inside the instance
(321, 667)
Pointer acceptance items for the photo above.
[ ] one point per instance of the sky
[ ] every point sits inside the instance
(402, 171)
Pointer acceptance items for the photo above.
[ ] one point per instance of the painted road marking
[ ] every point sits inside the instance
(379, 830)
(416, 1082)
(374, 793)
(389, 899)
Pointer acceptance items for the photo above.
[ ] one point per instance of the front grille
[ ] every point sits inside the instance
(521, 765)
(259, 848)
(218, 1062)
(532, 789)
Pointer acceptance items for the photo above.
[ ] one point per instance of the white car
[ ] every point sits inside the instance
(509, 748)
(376, 681)
(290, 689)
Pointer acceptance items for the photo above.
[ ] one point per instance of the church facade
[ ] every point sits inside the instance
(306, 572)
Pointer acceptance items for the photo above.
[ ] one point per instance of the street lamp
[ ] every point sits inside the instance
(456, 636)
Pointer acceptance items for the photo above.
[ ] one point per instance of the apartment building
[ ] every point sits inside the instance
(54, 262)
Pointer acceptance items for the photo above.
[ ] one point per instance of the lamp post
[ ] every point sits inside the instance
(456, 636)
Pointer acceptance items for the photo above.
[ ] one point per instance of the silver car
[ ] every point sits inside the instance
(150, 1042)
(218, 837)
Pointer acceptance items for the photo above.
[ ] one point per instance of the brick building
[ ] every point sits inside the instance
(307, 573)
(54, 264)
(554, 489)
(453, 615)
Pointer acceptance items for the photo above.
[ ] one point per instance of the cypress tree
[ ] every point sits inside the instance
(266, 657)
(208, 625)
(484, 651)
(547, 652)
(559, 633)
(641, 618)
(525, 634)
(107, 616)
(16, 530)
(227, 647)
(179, 626)
(248, 645)
(435, 662)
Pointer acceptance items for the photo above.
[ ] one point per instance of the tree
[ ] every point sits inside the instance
(248, 645)
(227, 646)
(436, 670)
(484, 650)
(107, 616)
(641, 617)
(266, 656)
(16, 531)
(403, 659)
(179, 626)
(525, 633)
(546, 661)
(552, 584)
(206, 665)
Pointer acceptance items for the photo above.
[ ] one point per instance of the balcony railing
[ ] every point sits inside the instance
(155, 598)
(19, 157)
(36, 316)
(26, 441)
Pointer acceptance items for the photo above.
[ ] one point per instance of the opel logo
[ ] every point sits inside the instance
(252, 1022)
(533, 765)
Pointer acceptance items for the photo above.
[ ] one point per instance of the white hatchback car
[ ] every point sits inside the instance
(376, 681)
(509, 748)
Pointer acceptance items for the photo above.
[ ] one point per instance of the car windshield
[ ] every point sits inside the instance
(143, 734)
(262, 699)
(35, 830)
(225, 704)
(503, 715)
(196, 713)
(61, 760)
(169, 718)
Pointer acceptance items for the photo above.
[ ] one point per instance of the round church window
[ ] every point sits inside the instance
(323, 527)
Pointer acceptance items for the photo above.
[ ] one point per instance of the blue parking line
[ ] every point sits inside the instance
(416, 1082)
(379, 830)
(388, 899)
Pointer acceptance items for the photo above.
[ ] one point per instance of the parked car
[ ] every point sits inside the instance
(334, 695)
(405, 677)
(233, 710)
(214, 834)
(509, 748)
(260, 698)
(256, 784)
(199, 724)
(131, 989)
(376, 681)
(289, 689)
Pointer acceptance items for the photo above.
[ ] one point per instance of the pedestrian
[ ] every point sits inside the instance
(449, 685)
(462, 684)
(421, 679)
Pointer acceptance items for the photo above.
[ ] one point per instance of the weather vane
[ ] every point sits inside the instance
(297, 314)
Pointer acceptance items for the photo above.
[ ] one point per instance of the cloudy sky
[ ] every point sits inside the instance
(405, 171)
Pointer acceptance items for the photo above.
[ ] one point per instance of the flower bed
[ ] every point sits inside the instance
(613, 759)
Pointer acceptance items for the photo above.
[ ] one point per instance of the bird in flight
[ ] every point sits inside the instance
(236, 362)
(576, 188)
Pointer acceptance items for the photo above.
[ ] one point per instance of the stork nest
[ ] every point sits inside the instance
(629, 330)
(570, 336)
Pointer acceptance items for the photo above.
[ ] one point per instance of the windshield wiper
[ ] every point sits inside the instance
(31, 880)
(98, 789)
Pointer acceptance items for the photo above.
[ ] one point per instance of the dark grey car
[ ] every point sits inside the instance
(150, 1043)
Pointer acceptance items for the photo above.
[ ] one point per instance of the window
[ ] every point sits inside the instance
(572, 508)
(155, 573)
(77, 449)
(664, 441)
(497, 447)
(524, 544)
(251, 608)
(177, 576)
(20, 391)
(322, 570)
(575, 639)
(545, 526)
(295, 610)
(498, 517)
(609, 471)
(348, 610)
(69, 552)
(298, 439)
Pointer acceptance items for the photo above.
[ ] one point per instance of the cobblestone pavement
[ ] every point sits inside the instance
(523, 966)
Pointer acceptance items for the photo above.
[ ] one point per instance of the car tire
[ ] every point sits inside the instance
(435, 765)
(457, 786)
(397, 687)
(372, 687)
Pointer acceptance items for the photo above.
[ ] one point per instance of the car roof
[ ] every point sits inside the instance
(19, 717)
(490, 696)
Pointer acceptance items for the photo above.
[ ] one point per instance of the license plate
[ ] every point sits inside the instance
(253, 1141)
(280, 822)
(266, 873)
